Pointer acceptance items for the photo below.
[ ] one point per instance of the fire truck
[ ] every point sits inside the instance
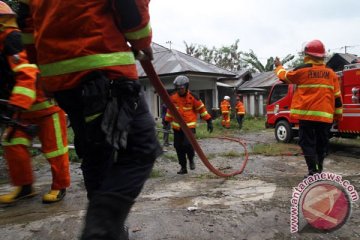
(286, 128)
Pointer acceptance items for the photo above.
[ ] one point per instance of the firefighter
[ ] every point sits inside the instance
(30, 106)
(225, 109)
(240, 111)
(189, 106)
(316, 103)
(94, 79)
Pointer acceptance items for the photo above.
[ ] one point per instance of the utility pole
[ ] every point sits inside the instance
(169, 42)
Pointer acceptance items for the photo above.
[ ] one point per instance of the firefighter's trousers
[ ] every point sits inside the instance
(124, 175)
(314, 140)
(183, 147)
(225, 122)
(53, 138)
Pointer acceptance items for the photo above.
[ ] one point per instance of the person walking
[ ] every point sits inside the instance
(316, 103)
(29, 105)
(225, 108)
(189, 106)
(94, 79)
(240, 111)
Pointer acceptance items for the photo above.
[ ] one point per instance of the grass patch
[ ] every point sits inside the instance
(275, 149)
(155, 173)
(230, 154)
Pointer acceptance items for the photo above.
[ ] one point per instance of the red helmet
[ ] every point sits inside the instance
(315, 48)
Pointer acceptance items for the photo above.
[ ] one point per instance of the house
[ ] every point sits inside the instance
(170, 63)
(255, 90)
(338, 60)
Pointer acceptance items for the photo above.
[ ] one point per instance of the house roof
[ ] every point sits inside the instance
(261, 80)
(172, 62)
(338, 60)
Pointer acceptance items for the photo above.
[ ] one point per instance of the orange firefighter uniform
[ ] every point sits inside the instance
(188, 106)
(85, 54)
(37, 109)
(240, 112)
(316, 103)
(225, 109)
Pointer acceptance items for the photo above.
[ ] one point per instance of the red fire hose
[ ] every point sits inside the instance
(160, 89)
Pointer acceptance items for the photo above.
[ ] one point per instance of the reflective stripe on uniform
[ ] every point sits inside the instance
(24, 91)
(198, 108)
(16, 141)
(142, 33)
(40, 106)
(92, 117)
(86, 63)
(311, 113)
(338, 111)
(25, 65)
(61, 149)
(315, 86)
(204, 114)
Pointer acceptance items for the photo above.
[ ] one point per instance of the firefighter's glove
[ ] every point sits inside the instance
(120, 111)
(210, 127)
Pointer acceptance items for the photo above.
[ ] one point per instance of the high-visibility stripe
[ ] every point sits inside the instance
(311, 113)
(142, 33)
(86, 63)
(177, 125)
(338, 93)
(240, 113)
(92, 117)
(40, 106)
(25, 65)
(24, 91)
(27, 38)
(198, 108)
(315, 86)
(16, 141)
(61, 149)
(187, 108)
(280, 71)
(204, 114)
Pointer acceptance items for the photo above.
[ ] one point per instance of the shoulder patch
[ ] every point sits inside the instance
(303, 66)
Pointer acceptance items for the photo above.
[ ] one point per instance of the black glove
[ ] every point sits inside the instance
(210, 127)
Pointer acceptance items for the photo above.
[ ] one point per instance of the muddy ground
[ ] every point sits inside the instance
(199, 205)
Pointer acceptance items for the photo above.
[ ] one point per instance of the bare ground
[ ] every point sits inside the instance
(199, 205)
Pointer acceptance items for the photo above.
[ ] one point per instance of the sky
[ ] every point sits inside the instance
(268, 27)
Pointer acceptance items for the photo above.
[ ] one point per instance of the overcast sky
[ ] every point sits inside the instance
(268, 27)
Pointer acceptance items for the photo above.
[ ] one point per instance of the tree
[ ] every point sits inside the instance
(227, 57)
(256, 65)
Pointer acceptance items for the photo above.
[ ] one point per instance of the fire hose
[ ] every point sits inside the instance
(160, 89)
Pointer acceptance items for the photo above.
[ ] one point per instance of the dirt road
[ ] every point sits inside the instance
(199, 205)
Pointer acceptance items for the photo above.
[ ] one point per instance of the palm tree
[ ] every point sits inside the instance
(256, 65)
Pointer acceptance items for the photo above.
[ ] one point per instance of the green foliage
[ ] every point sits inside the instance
(256, 65)
(227, 57)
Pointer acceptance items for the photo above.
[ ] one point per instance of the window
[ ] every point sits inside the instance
(278, 93)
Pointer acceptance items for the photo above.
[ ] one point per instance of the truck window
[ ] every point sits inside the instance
(278, 93)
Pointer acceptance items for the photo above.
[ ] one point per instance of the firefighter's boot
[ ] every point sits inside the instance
(183, 170)
(320, 164)
(311, 162)
(192, 164)
(54, 196)
(20, 192)
(106, 216)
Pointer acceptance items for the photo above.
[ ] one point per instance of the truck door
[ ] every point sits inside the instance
(279, 101)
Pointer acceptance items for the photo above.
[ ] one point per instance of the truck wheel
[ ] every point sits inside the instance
(283, 132)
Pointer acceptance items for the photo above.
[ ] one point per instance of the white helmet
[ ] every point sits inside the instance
(227, 98)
